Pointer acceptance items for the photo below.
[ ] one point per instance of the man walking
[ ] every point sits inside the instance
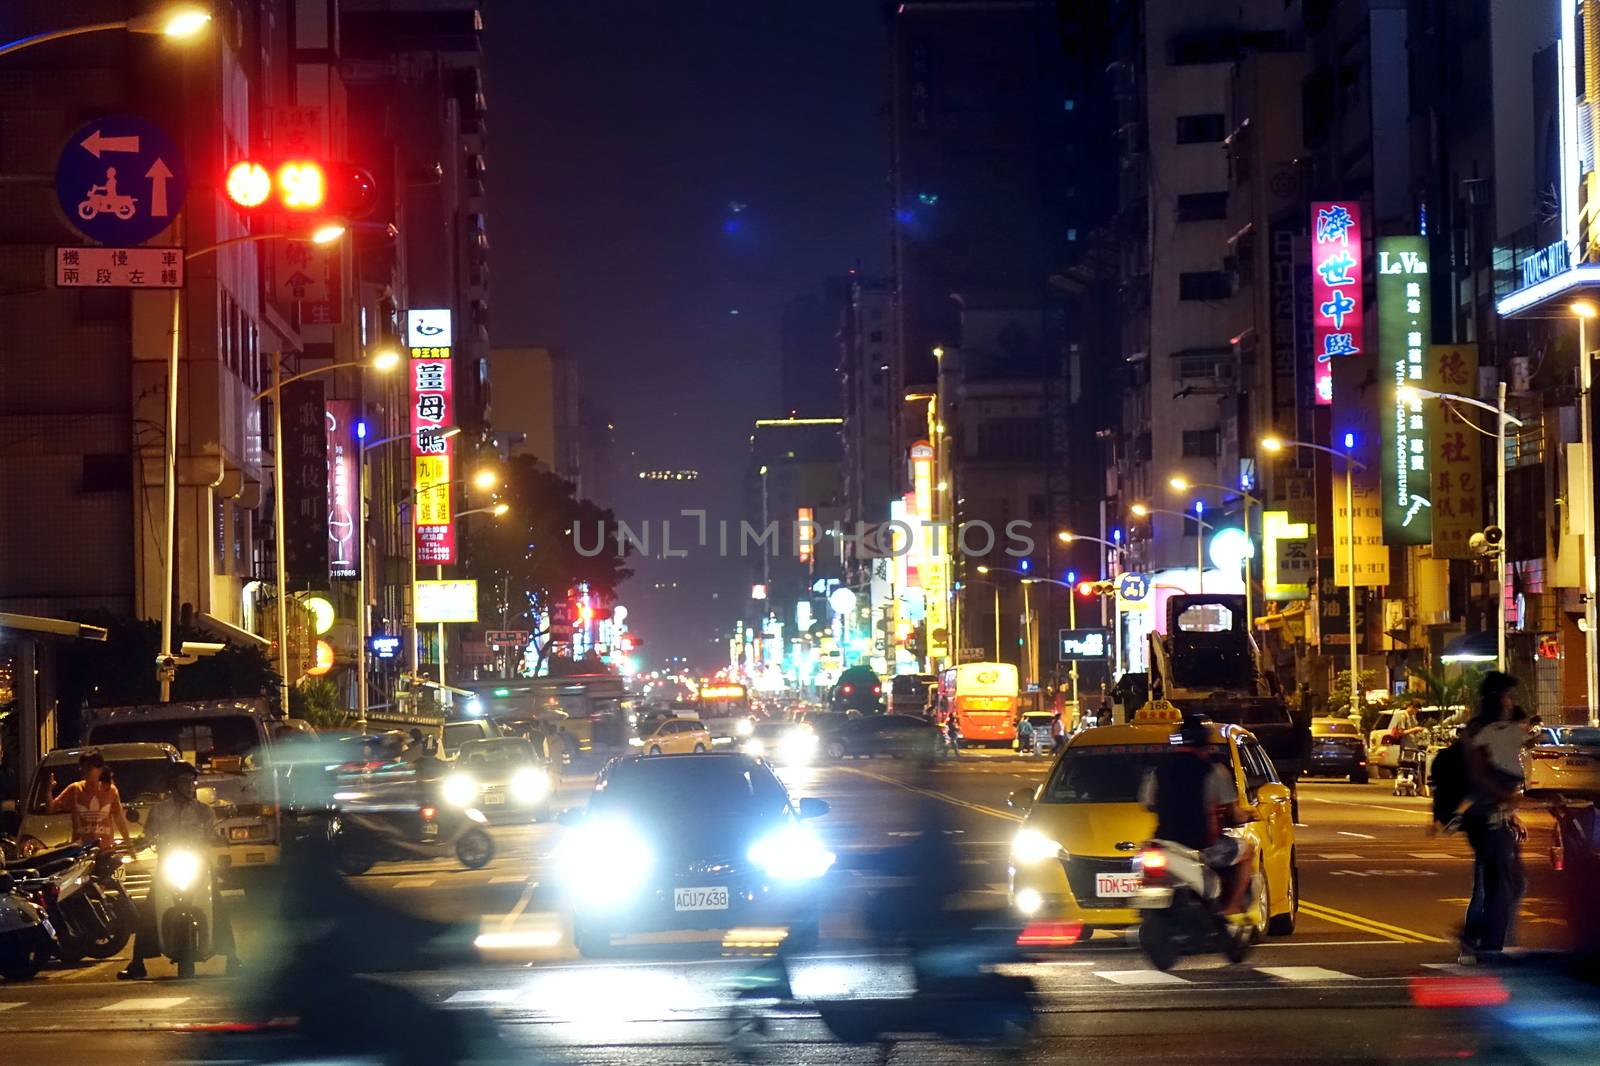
(1490, 820)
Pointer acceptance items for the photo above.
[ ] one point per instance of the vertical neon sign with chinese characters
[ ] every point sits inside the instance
(432, 413)
(1335, 290)
(344, 550)
(1403, 330)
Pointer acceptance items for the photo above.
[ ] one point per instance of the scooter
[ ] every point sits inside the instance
(26, 936)
(363, 838)
(1179, 899)
(87, 905)
(181, 900)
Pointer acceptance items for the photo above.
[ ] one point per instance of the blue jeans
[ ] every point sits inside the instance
(1497, 881)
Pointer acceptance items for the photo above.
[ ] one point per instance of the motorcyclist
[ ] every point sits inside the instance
(1194, 798)
(181, 819)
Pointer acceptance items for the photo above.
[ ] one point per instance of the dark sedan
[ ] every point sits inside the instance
(884, 734)
(1337, 750)
(678, 842)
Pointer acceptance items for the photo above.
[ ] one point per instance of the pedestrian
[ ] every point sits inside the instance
(1058, 732)
(94, 803)
(1491, 744)
(1024, 736)
(952, 732)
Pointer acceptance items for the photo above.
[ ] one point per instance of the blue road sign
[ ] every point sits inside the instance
(120, 180)
(1133, 587)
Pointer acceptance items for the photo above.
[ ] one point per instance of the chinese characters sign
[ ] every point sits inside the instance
(447, 601)
(432, 413)
(1288, 565)
(1457, 474)
(344, 547)
(1402, 342)
(303, 452)
(1358, 416)
(1335, 290)
(119, 268)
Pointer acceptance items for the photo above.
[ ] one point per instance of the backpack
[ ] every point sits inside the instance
(1447, 781)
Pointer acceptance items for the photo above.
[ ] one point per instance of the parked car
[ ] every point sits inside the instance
(1390, 731)
(1337, 750)
(884, 734)
(1565, 760)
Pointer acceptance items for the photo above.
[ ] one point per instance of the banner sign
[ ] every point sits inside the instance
(304, 454)
(1336, 326)
(1288, 563)
(1358, 416)
(1403, 328)
(1457, 474)
(1080, 645)
(432, 413)
(447, 601)
(344, 548)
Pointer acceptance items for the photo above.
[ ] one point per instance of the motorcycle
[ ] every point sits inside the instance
(181, 900)
(90, 911)
(26, 935)
(363, 838)
(99, 201)
(1179, 899)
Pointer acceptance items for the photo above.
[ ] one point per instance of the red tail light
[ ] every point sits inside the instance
(1153, 864)
(428, 813)
(847, 689)
(1050, 934)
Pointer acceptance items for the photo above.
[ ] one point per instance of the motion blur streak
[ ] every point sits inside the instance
(1456, 992)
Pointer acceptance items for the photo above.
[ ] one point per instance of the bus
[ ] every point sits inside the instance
(722, 706)
(983, 699)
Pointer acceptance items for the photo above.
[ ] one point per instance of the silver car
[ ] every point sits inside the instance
(505, 778)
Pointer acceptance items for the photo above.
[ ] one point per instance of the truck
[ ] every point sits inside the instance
(230, 742)
(1208, 663)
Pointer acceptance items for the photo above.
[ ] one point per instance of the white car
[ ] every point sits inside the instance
(1566, 760)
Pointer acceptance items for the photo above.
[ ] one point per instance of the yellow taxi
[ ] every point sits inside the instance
(1072, 861)
(676, 736)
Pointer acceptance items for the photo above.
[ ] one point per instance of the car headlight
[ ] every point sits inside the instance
(459, 790)
(530, 785)
(798, 746)
(1030, 847)
(181, 868)
(744, 727)
(754, 748)
(792, 853)
(602, 863)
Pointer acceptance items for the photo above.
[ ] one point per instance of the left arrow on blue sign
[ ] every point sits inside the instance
(120, 180)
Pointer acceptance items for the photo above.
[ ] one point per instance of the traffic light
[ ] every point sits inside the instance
(301, 186)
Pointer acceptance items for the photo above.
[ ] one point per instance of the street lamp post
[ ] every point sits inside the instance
(1141, 510)
(1412, 396)
(177, 22)
(1117, 550)
(1584, 310)
(1351, 464)
(1183, 484)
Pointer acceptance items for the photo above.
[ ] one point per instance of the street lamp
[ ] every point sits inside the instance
(1351, 464)
(1180, 483)
(179, 22)
(996, 586)
(381, 361)
(1412, 397)
(1142, 510)
(1584, 311)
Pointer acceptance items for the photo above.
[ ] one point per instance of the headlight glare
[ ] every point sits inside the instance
(744, 727)
(181, 868)
(792, 853)
(603, 862)
(798, 746)
(1030, 847)
(753, 748)
(530, 785)
(459, 790)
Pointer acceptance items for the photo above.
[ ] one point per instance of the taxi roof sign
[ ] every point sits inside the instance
(1158, 712)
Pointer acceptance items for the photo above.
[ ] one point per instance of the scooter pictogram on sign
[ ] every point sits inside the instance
(120, 180)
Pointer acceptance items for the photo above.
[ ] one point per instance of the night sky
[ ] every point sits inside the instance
(654, 167)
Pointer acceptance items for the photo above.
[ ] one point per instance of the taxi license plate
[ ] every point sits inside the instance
(1115, 886)
(494, 799)
(700, 899)
(1577, 761)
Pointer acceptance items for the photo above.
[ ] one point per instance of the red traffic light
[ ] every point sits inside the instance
(1086, 588)
(301, 186)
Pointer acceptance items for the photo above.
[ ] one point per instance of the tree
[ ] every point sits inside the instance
(1339, 702)
(531, 553)
(316, 699)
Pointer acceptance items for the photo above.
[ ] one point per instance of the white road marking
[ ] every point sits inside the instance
(1431, 855)
(11, 1006)
(147, 1003)
(1361, 836)
(1420, 812)
(1338, 855)
(413, 882)
(1305, 973)
(1452, 968)
(483, 996)
(507, 880)
(1140, 977)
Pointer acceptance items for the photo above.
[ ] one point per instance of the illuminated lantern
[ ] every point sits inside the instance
(324, 661)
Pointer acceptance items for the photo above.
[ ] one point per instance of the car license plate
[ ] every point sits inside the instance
(494, 799)
(700, 899)
(1577, 761)
(1115, 885)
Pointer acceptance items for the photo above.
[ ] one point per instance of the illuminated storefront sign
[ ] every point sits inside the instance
(1288, 565)
(432, 413)
(344, 548)
(1457, 471)
(805, 534)
(447, 601)
(931, 561)
(1336, 327)
(1403, 331)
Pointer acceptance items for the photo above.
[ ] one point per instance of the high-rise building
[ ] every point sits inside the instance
(807, 350)
(866, 346)
(536, 407)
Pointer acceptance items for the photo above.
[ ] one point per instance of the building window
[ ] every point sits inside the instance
(1011, 440)
(1200, 129)
(1204, 285)
(1202, 206)
(1200, 443)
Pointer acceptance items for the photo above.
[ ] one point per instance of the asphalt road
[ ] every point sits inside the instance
(1374, 943)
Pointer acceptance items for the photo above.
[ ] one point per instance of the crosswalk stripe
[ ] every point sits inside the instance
(11, 1006)
(1452, 968)
(413, 882)
(1305, 973)
(1431, 855)
(512, 879)
(147, 1003)
(1140, 977)
(1338, 855)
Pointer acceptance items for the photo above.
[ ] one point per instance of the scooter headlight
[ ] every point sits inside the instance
(180, 869)
(530, 785)
(459, 790)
